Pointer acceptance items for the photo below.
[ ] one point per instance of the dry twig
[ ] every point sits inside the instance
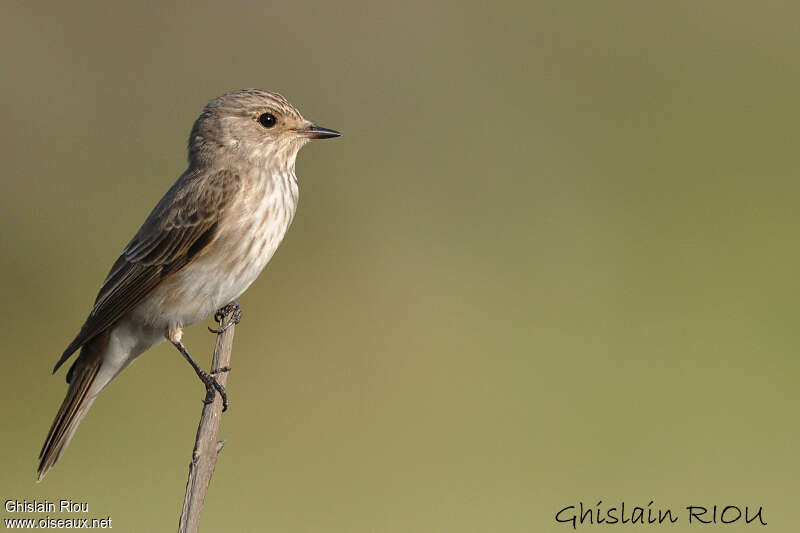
(206, 446)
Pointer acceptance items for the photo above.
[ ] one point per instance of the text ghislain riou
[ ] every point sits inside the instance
(46, 506)
(581, 515)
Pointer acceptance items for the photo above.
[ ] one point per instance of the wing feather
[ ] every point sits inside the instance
(183, 223)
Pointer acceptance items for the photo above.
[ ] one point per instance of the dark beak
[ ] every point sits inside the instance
(318, 132)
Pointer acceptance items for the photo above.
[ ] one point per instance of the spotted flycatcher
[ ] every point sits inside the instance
(201, 247)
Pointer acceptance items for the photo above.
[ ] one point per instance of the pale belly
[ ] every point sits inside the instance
(216, 276)
(219, 274)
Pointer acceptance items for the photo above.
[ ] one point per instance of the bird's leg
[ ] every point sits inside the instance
(232, 309)
(212, 385)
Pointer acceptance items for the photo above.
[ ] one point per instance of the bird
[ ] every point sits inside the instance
(203, 244)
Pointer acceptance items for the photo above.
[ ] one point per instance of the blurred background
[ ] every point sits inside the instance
(552, 260)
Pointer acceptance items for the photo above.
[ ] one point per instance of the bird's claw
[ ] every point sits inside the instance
(221, 370)
(232, 309)
(213, 387)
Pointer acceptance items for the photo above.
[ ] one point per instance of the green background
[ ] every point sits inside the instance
(553, 259)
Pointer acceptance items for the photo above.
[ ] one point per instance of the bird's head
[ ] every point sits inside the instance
(260, 126)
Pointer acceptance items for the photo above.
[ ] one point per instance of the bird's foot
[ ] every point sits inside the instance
(213, 387)
(231, 309)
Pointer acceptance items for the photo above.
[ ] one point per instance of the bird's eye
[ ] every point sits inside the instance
(267, 120)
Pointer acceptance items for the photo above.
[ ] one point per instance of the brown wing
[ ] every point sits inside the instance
(180, 226)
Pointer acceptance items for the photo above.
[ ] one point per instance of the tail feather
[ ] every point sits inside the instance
(75, 405)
